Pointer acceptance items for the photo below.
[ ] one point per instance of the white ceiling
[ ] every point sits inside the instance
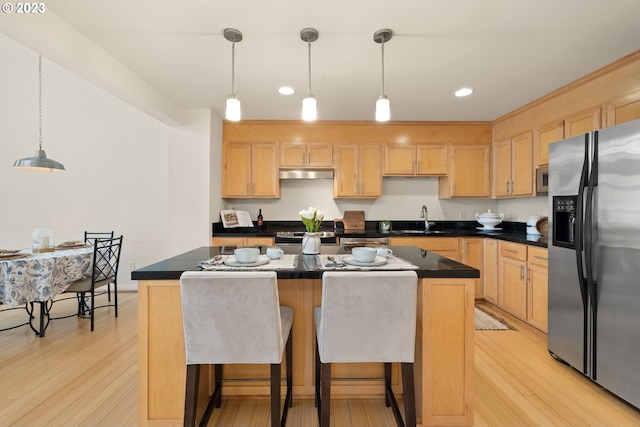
(510, 51)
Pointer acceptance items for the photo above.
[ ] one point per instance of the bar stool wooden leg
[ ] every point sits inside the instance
(191, 395)
(387, 383)
(325, 401)
(218, 384)
(409, 394)
(275, 395)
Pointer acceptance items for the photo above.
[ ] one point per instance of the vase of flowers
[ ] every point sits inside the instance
(312, 219)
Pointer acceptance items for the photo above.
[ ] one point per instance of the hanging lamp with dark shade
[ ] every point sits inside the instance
(233, 111)
(39, 161)
(383, 106)
(309, 109)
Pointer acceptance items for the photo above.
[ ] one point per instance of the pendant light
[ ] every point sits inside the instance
(39, 162)
(233, 103)
(383, 107)
(309, 111)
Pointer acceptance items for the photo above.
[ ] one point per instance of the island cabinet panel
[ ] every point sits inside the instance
(443, 364)
(444, 352)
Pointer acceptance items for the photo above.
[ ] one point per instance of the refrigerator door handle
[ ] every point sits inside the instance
(588, 252)
(579, 221)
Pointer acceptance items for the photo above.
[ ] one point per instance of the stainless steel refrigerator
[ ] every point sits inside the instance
(594, 256)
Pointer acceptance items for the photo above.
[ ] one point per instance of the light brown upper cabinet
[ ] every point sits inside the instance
(358, 171)
(513, 168)
(468, 172)
(310, 155)
(582, 122)
(624, 109)
(250, 170)
(542, 137)
(411, 160)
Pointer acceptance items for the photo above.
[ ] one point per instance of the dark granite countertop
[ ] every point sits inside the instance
(509, 231)
(430, 265)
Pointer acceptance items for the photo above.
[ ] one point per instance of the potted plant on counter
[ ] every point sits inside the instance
(312, 219)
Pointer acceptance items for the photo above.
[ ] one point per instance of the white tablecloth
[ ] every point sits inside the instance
(42, 276)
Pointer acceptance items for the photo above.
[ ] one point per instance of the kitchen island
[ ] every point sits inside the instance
(444, 340)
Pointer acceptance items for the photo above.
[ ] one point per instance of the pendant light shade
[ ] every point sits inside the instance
(233, 111)
(309, 110)
(383, 106)
(383, 109)
(39, 161)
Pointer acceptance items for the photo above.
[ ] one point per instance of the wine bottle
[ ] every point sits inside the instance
(260, 220)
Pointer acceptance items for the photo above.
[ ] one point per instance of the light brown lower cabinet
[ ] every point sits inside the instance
(471, 249)
(241, 241)
(490, 270)
(537, 288)
(522, 282)
(448, 247)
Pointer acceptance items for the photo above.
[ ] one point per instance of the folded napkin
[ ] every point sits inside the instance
(285, 262)
(393, 263)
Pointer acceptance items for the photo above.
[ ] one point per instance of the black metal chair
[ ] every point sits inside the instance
(89, 237)
(106, 259)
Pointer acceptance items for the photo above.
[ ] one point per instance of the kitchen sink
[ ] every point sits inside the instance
(421, 232)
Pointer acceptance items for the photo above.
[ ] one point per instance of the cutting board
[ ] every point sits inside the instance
(352, 220)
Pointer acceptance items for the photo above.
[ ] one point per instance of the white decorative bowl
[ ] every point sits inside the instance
(489, 219)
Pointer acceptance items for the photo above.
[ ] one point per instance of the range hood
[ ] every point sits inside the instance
(306, 174)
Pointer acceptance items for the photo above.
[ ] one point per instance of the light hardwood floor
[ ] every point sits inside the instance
(73, 377)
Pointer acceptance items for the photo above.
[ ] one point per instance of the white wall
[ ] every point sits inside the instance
(126, 171)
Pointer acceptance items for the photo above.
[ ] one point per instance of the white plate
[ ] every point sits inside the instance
(489, 229)
(232, 262)
(378, 261)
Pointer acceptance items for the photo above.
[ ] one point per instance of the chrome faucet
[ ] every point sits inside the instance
(424, 213)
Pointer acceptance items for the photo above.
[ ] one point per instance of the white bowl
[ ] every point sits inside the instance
(364, 254)
(489, 219)
(246, 255)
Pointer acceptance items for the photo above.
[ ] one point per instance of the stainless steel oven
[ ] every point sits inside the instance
(352, 242)
(294, 238)
(542, 181)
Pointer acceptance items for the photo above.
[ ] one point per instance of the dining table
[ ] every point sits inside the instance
(28, 278)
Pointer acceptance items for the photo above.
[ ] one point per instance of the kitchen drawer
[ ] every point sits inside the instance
(513, 250)
(538, 256)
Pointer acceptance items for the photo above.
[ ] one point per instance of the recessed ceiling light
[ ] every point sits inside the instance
(465, 91)
(286, 90)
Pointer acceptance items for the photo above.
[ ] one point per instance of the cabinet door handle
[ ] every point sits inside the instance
(513, 251)
(513, 187)
(526, 278)
(507, 187)
(521, 272)
(541, 257)
(419, 165)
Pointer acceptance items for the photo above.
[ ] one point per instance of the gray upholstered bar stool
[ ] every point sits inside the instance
(367, 317)
(234, 317)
